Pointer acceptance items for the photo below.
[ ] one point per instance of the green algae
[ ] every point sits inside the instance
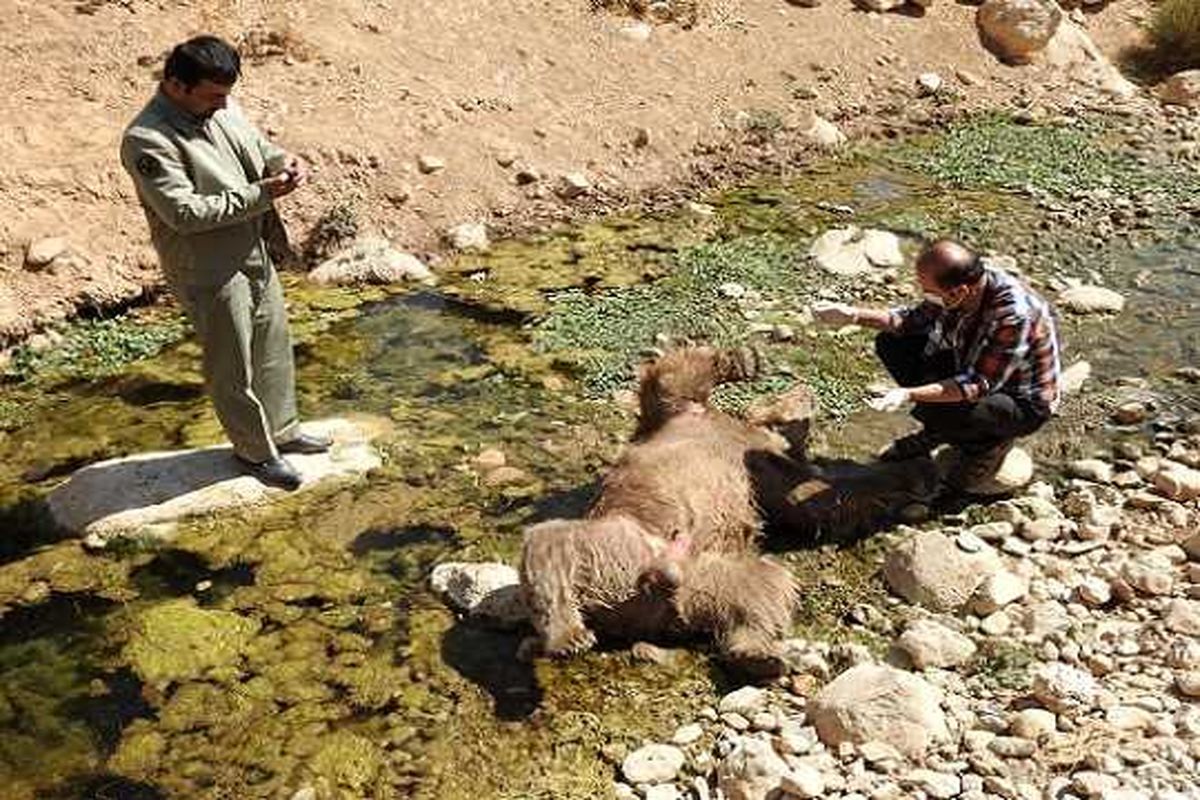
(177, 641)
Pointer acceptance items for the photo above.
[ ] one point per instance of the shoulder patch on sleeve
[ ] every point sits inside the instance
(148, 165)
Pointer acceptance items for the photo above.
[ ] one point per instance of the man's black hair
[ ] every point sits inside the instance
(204, 58)
(954, 264)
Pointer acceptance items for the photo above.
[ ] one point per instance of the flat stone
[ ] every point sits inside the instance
(487, 591)
(573, 184)
(654, 763)
(853, 251)
(687, 734)
(930, 570)
(937, 785)
(146, 496)
(1091, 300)
(1178, 483)
(1091, 469)
(1063, 688)
(430, 164)
(43, 252)
(1183, 616)
(371, 260)
(1012, 747)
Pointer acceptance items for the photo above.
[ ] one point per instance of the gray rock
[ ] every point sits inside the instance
(875, 702)
(654, 763)
(929, 644)
(146, 496)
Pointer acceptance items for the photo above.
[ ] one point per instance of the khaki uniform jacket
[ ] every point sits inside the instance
(197, 181)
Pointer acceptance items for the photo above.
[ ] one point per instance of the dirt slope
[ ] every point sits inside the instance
(362, 89)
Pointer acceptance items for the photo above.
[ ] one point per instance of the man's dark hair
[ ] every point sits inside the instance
(204, 58)
(951, 264)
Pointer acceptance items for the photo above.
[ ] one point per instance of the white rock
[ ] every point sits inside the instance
(930, 570)
(1183, 616)
(1015, 471)
(370, 260)
(637, 31)
(663, 791)
(992, 531)
(1149, 575)
(929, 644)
(1094, 784)
(996, 624)
(853, 251)
(1188, 683)
(1182, 89)
(1063, 689)
(43, 252)
(469, 237)
(1042, 530)
(803, 781)
(1017, 29)
(822, 133)
(997, 591)
(1095, 591)
(930, 82)
(147, 495)
(1091, 300)
(687, 734)
(1131, 413)
(1129, 718)
(879, 5)
(934, 784)
(1091, 469)
(1033, 723)
(654, 763)
(430, 164)
(573, 184)
(1075, 376)
(875, 702)
(746, 701)
(487, 591)
(752, 771)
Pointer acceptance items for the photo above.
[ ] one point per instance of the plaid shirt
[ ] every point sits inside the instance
(1008, 343)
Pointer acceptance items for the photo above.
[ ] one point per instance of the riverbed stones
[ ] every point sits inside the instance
(997, 591)
(469, 237)
(746, 701)
(146, 496)
(487, 591)
(877, 702)
(751, 771)
(930, 570)
(1063, 688)
(929, 644)
(1015, 30)
(1178, 482)
(1183, 616)
(1033, 723)
(1091, 300)
(852, 251)
(1091, 469)
(370, 260)
(654, 763)
(1182, 89)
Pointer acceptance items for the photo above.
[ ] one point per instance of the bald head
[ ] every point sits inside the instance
(949, 264)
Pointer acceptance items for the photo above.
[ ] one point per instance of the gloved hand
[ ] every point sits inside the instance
(891, 400)
(833, 313)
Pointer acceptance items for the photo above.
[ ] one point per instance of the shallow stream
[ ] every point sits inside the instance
(263, 652)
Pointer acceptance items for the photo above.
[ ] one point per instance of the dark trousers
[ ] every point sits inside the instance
(972, 427)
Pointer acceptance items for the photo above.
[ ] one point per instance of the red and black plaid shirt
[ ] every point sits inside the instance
(1008, 343)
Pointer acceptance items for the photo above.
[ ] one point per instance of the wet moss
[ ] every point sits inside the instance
(177, 641)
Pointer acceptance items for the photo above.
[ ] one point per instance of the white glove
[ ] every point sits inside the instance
(891, 400)
(833, 313)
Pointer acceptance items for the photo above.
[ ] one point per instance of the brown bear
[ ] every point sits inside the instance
(669, 547)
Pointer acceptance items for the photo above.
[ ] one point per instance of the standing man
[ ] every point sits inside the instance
(207, 179)
(979, 359)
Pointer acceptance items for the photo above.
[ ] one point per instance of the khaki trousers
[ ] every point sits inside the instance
(248, 371)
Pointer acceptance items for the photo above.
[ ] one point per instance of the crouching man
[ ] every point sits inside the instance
(978, 359)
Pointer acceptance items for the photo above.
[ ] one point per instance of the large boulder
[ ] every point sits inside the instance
(146, 496)
(930, 570)
(1016, 30)
(371, 259)
(1182, 89)
(872, 702)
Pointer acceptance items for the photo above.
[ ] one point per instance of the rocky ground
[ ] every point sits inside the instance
(1039, 647)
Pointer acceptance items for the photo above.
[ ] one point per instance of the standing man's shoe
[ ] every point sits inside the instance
(273, 472)
(306, 444)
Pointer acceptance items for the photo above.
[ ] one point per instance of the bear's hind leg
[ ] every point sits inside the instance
(549, 566)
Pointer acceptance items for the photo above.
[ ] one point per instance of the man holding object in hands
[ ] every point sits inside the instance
(978, 358)
(207, 180)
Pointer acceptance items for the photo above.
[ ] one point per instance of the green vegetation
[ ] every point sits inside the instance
(91, 349)
(1175, 31)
